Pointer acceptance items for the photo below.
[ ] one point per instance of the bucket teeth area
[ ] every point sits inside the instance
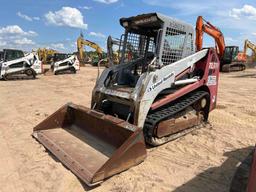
(92, 145)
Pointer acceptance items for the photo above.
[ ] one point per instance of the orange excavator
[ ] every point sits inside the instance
(245, 176)
(205, 26)
(230, 57)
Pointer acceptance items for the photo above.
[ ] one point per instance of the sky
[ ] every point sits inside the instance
(56, 24)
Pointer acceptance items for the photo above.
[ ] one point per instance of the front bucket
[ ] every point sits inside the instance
(92, 145)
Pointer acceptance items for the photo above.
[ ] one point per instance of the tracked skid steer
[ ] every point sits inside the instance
(15, 64)
(63, 63)
(161, 90)
(93, 145)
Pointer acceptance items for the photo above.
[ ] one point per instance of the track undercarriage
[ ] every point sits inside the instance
(19, 75)
(234, 67)
(176, 119)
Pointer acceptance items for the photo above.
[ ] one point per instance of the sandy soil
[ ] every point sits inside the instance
(202, 161)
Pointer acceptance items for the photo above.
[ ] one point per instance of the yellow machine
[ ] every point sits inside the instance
(45, 55)
(81, 42)
(249, 45)
(113, 56)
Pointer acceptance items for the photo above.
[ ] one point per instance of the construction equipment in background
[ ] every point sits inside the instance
(63, 63)
(230, 58)
(203, 26)
(45, 55)
(159, 92)
(81, 43)
(233, 60)
(249, 45)
(245, 176)
(15, 64)
(113, 56)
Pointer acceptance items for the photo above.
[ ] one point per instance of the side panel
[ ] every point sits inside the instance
(209, 66)
(211, 76)
(67, 64)
(162, 79)
(7, 66)
(37, 65)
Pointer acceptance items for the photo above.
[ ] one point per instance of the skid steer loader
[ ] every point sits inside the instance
(162, 89)
(17, 64)
(63, 63)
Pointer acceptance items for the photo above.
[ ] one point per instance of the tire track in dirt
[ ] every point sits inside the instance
(204, 158)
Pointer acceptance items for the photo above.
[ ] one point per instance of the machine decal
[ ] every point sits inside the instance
(151, 88)
(212, 80)
(213, 65)
(213, 98)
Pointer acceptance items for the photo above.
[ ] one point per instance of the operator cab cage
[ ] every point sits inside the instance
(60, 56)
(155, 34)
(11, 54)
(150, 39)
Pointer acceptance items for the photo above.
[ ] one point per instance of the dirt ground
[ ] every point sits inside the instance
(203, 161)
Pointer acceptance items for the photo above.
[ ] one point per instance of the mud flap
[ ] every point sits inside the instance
(94, 146)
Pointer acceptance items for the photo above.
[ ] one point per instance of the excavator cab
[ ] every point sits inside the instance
(232, 60)
(149, 41)
(230, 54)
(12, 54)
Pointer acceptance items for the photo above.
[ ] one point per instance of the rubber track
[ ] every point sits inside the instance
(15, 78)
(65, 71)
(20, 75)
(232, 67)
(156, 117)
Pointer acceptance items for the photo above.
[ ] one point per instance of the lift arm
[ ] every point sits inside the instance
(211, 30)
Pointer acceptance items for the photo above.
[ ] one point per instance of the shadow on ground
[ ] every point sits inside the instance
(217, 179)
(251, 75)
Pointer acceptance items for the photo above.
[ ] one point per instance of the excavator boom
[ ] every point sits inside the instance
(249, 45)
(81, 42)
(113, 57)
(202, 27)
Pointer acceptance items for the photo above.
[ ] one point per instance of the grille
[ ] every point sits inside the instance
(136, 46)
(174, 43)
